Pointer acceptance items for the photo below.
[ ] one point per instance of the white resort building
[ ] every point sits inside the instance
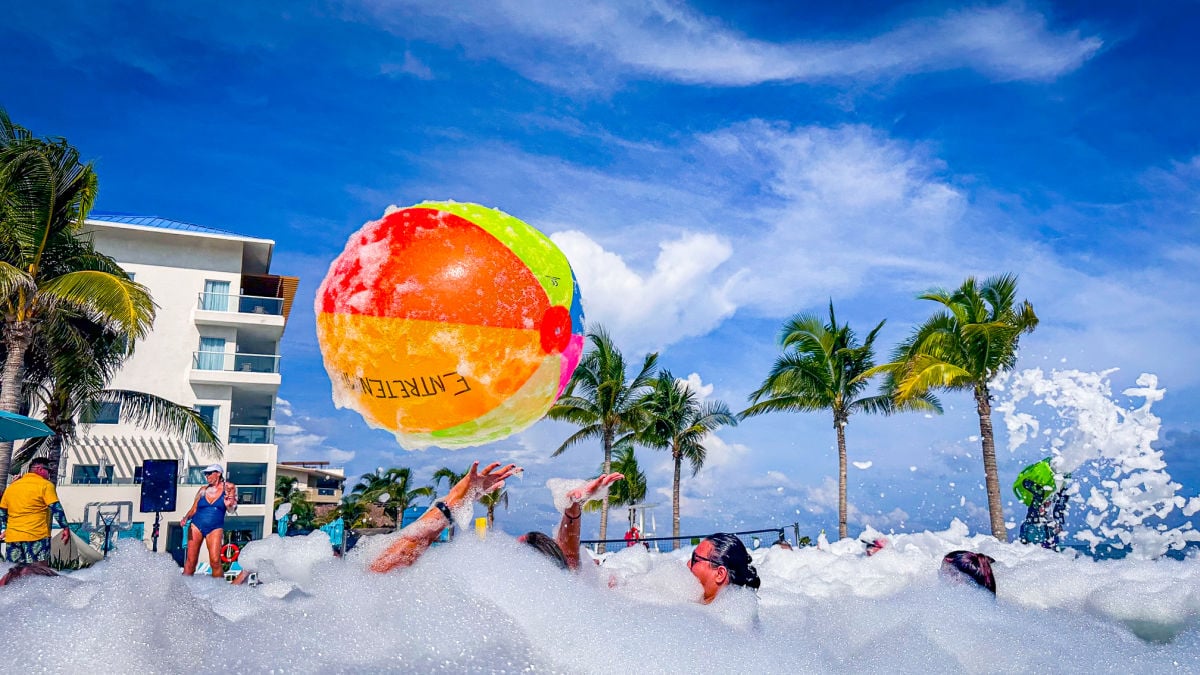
(215, 347)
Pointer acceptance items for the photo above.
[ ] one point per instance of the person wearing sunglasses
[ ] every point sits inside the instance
(206, 520)
(721, 560)
(25, 512)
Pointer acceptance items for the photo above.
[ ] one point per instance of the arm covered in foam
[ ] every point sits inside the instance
(418, 537)
(567, 534)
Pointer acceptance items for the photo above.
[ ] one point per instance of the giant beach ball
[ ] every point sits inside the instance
(449, 324)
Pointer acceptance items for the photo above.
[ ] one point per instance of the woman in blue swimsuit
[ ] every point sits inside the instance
(207, 519)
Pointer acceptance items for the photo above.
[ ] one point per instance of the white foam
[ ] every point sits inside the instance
(498, 606)
(1120, 485)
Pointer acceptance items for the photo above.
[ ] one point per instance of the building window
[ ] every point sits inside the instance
(108, 412)
(195, 475)
(216, 296)
(209, 413)
(89, 474)
(211, 355)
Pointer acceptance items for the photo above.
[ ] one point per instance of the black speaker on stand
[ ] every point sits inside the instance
(160, 482)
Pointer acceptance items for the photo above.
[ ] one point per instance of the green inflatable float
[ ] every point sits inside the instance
(1042, 475)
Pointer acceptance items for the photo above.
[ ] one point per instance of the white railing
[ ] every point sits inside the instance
(242, 363)
(242, 304)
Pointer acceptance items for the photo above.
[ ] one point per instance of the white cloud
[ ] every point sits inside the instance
(298, 442)
(674, 300)
(672, 41)
(702, 391)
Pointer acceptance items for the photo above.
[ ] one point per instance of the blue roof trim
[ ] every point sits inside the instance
(155, 221)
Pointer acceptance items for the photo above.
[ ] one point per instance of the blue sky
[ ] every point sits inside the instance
(709, 172)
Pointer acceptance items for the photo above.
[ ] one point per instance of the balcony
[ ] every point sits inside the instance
(241, 363)
(257, 434)
(252, 494)
(242, 304)
(257, 312)
(322, 495)
(258, 372)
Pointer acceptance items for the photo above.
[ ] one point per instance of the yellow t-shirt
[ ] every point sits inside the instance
(28, 501)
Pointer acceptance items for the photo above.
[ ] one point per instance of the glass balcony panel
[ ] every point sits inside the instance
(251, 433)
(242, 363)
(252, 494)
(242, 304)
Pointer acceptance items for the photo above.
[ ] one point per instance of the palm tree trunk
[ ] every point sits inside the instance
(608, 441)
(56, 448)
(675, 499)
(841, 441)
(991, 474)
(17, 336)
(491, 515)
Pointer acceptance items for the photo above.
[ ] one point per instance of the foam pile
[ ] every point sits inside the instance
(496, 606)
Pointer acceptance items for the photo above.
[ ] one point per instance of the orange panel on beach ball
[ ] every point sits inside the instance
(449, 324)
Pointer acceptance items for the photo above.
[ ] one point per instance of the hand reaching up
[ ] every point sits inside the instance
(586, 493)
(476, 484)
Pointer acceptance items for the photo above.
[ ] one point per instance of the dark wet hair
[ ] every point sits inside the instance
(547, 547)
(39, 461)
(733, 556)
(975, 566)
(24, 570)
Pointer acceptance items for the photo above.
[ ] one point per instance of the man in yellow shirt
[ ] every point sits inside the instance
(25, 512)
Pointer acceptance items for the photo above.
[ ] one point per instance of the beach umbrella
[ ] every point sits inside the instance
(14, 426)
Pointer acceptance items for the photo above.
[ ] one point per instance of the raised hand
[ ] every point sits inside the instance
(584, 493)
(476, 484)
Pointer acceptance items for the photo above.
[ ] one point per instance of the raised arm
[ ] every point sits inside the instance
(416, 538)
(231, 502)
(567, 534)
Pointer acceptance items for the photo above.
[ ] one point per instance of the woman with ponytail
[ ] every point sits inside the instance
(721, 560)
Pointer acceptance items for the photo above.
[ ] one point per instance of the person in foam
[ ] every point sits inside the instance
(418, 537)
(968, 566)
(721, 560)
(206, 520)
(563, 548)
(874, 546)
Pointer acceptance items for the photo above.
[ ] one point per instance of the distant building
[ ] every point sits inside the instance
(320, 484)
(215, 347)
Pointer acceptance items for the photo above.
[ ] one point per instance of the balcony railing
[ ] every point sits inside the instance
(242, 304)
(252, 494)
(251, 433)
(241, 363)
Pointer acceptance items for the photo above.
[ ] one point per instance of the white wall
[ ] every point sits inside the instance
(174, 265)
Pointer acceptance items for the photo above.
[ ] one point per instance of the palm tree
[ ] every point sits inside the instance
(285, 488)
(66, 373)
(677, 421)
(46, 265)
(601, 400)
(823, 367)
(491, 500)
(972, 340)
(447, 474)
(354, 511)
(396, 484)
